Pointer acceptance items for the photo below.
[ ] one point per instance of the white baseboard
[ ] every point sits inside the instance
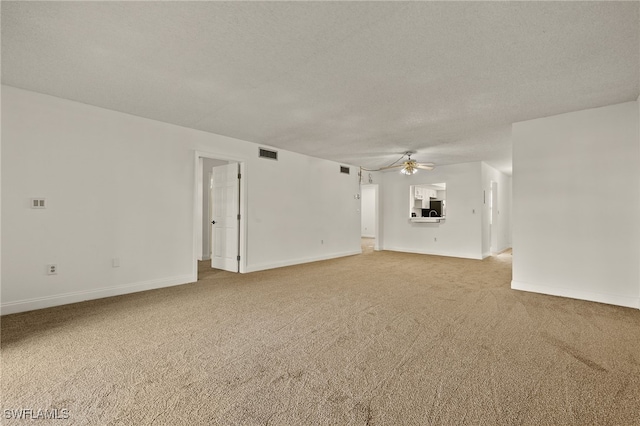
(610, 299)
(499, 252)
(434, 253)
(81, 296)
(273, 265)
(367, 236)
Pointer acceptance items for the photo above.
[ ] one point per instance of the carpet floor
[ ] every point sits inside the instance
(381, 338)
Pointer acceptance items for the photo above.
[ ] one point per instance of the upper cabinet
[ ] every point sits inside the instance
(424, 193)
(418, 193)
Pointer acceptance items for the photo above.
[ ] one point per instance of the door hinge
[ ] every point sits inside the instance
(238, 259)
(239, 175)
(238, 217)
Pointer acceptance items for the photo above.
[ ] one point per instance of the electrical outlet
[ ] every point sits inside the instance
(38, 203)
(52, 269)
(115, 262)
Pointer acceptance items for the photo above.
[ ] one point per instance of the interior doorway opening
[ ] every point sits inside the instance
(493, 218)
(219, 233)
(369, 221)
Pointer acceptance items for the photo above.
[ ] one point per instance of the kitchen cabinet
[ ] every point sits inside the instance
(424, 195)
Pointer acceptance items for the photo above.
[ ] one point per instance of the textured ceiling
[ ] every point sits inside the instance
(354, 82)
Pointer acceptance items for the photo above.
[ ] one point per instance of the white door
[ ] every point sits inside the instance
(225, 191)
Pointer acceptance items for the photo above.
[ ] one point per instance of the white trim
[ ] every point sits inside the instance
(197, 206)
(497, 253)
(377, 228)
(610, 299)
(427, 219)
(377, 221)
(273, 265)
(433, 253)
(81, 296)
(200, 195)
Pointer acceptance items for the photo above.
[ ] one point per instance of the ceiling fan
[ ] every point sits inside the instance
(409, 166)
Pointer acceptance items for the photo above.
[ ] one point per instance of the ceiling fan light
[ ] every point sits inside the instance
(408, 170)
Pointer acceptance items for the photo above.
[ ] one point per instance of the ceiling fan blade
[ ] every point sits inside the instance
(425, 166)
(409, 164)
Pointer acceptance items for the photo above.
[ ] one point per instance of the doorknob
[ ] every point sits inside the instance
(213, 222)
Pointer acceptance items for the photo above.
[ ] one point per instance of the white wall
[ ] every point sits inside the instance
(208, 164)
(503, 225)
(0, 202)
(368, 208)
(460, 235)
(302, 209)
(576, 205)
(123, 186)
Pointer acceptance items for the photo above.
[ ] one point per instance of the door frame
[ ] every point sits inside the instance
(197, 207)
(209, 218)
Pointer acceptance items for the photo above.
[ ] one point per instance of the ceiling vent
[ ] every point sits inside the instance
(344, 169)
(267, 153)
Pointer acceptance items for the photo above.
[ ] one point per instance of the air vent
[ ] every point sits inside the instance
(267, 153)
(345, 170)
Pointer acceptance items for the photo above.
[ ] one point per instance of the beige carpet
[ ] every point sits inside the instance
(381, 338)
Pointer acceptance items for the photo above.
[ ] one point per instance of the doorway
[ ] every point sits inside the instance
(493, 218)
(369, 221)
(204, 242)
